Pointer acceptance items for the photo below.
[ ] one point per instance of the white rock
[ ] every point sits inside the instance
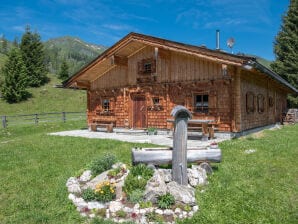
(73, 185)
(250, 151)
(184, 213)
(177, 210)
(107, 213)
(190, 214)
(92, 215)
(195, 208)
(115, 206)
(168, 212)
(159, 211)
(137, 206)
(71, 197)
(142, 211)
(95, 205)
(127, 209)
(180, 216)
(83, 214)
(155, 187)
(86, 176)
(78, 201)
(182, 193)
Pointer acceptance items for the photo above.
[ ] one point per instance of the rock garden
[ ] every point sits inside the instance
(107, 189)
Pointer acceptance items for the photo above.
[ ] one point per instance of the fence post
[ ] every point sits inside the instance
(4, 121)
(179, 155)
(36, 119)
(64, 117)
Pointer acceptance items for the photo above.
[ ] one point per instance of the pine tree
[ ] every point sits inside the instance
(63, 73)
(34, 58)
(286, 49)
(14, 86)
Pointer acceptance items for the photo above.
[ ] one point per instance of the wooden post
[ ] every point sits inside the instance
(63, 117)
(179, 156)
(4, 121)
(36, 119)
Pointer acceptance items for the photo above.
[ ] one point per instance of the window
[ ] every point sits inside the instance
(250, 105)
(201, 103)
(147, 66)
(106, 105)
(270, 101)
(155, 101)
(261, 107)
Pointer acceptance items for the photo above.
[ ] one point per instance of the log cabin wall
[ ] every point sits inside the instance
(263, 101)
(177, 81)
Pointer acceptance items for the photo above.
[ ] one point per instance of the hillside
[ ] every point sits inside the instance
(76, 52)
(48, 99)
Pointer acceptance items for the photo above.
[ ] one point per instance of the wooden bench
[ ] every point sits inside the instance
(103, 124)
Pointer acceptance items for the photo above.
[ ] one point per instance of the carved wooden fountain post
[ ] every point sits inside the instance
(179, 155)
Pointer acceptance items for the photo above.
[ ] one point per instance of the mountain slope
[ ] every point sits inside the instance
(74, 51)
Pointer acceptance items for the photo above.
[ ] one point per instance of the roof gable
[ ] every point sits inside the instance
(135, 42)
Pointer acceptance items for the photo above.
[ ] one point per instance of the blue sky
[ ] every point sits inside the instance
(252, 23)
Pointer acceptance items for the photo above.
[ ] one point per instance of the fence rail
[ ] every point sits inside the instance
(12, 120)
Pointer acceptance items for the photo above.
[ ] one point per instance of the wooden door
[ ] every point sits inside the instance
(139, 112)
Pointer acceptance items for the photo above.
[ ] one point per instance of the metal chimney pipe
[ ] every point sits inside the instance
(217, 40)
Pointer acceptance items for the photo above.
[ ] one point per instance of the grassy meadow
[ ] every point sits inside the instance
(48, 99)
(260, 187)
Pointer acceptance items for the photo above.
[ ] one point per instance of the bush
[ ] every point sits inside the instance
(133, 183)
(145, 204)
(141, 170)
(165, 201)
(135, 196)
(121, 213)
(102, 164)
(105, 191)
(88, 194)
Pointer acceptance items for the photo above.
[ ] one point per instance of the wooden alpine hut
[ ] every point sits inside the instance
(140, 79)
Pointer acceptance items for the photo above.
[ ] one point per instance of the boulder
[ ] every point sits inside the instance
(196, 176)
(167, 174)
(155, 187)
(73, 185)
(182, 193)
(115, 206)
(86, 176)
(99, 178)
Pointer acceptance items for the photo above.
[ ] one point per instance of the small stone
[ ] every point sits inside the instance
(83, 214)
(250, 151)
(71, 197)
(137, 206)
(115, 206)
(180, 216)
(195, 208)
(168, 212)
(184, 213)
(92, 215)
(190, 214)
(177, 210)
(86, 176)
(107, 213)
(95, 205)
(127, 209)
(181, 193)
(159, 211)
(142, 211)
(73, 185)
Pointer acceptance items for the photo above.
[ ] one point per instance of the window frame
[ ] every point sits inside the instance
(202, 108)
(261, 103)
(147, 66)
(106, 108)
(250, 102)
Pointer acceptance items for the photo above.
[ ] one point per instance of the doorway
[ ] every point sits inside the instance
(139, 112)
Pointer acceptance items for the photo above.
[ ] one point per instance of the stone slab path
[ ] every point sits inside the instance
(162, 140)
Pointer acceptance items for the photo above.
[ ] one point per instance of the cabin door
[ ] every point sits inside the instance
(139, 112)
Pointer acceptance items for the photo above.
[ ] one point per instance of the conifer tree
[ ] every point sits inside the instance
(286, 49)
(14, 86)
(63, 73)
(34, 58)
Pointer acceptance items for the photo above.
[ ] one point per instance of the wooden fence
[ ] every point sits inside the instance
(41, 118)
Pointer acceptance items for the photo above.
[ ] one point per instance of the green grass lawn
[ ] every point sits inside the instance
(245, 188)
(47, 99)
